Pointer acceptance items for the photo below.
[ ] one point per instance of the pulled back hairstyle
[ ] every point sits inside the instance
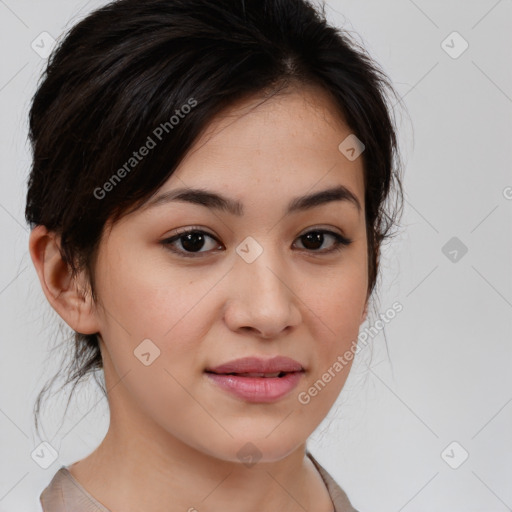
(133, 67)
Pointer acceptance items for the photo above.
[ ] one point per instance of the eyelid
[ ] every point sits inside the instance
(188, 229)
(321, 227)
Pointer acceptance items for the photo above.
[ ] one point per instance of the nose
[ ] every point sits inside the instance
(262, 297)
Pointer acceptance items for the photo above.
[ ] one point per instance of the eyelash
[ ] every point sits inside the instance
(340, 242)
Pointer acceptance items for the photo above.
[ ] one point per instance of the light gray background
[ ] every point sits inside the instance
(447, 374)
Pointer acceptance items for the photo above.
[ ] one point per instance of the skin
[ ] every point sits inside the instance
(173, 437)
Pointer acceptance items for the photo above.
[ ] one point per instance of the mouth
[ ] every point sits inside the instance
(257, 380)
(253, 374)
(256, 388)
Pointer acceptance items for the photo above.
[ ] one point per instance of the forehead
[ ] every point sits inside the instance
(279, 148)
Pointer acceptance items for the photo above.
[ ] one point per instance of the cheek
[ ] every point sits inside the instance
(144, 298)
(335, 310)
(162, 305)
(171, 309)
(338, 301)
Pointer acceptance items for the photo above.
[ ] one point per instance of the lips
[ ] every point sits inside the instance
(257, 380)
(258, 367)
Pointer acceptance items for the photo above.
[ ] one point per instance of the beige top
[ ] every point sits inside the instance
(65, 494)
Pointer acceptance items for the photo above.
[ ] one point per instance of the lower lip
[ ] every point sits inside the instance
(257, 389)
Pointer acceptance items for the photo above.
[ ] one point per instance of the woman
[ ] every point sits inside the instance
(208, 199)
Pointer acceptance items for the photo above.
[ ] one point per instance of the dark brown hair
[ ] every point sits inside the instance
(130, 66)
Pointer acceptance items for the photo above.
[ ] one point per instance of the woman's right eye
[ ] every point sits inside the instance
(191, 240)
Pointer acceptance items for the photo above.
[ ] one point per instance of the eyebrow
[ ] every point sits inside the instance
(217, 201)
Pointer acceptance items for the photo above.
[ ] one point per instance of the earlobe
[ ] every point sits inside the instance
(68, 296)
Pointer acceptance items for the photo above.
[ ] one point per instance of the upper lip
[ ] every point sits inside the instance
(258, 365)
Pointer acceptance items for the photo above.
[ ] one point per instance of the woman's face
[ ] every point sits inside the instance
(249, 283)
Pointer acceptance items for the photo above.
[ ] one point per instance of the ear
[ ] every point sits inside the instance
(70, 298)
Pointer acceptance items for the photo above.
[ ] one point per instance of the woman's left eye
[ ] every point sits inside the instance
(193, 240)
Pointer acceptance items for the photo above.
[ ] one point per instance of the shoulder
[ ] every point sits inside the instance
(64, 493)
(338, 495)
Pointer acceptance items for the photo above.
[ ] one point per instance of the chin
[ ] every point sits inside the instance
(250, 450)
